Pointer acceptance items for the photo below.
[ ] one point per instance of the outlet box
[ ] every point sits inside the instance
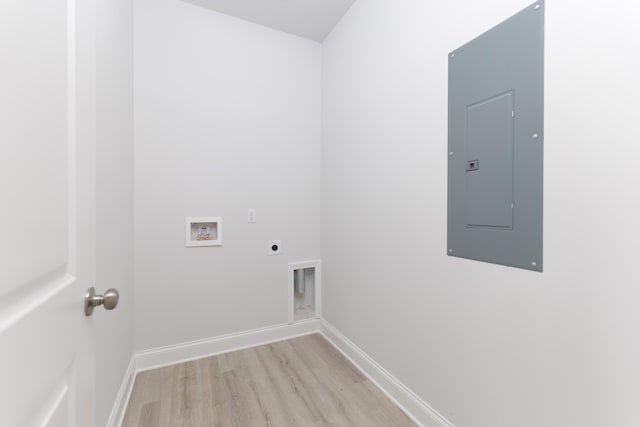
(274, 247)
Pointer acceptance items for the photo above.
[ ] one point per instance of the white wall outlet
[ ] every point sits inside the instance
(251, 215)
(274, 247)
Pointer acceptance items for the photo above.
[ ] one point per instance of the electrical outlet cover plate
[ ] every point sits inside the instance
(274, 247)
(251, 215)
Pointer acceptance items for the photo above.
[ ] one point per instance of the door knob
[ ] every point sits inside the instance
(91, 300)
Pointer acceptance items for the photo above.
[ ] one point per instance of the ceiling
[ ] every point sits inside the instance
(311, 19)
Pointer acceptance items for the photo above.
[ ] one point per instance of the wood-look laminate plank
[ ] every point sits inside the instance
(150, 414)
(294, 383)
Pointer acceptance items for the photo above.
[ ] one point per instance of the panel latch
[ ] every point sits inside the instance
(473, 165)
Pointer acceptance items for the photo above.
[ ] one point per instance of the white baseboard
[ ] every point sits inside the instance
(120, 405)
(416, 408)
(170, 355)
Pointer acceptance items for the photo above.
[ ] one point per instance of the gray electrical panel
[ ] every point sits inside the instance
(496, 100)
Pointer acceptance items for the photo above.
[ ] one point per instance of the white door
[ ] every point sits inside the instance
(47, 210)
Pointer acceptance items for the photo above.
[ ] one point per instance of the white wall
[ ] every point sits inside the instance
(114, 197)
(483, 344)
(227, 117)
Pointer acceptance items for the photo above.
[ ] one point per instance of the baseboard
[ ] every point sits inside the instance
(170, 355)
(120, 405)
(417, 409)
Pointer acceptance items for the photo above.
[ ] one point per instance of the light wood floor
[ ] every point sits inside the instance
(297, 383)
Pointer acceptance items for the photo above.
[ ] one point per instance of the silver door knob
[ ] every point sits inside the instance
(91, 300)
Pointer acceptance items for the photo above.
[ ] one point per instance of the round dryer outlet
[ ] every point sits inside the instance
(274, 247)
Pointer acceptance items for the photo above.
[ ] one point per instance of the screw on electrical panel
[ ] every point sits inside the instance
(536, 6)
(534, 264)
(534, 136)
